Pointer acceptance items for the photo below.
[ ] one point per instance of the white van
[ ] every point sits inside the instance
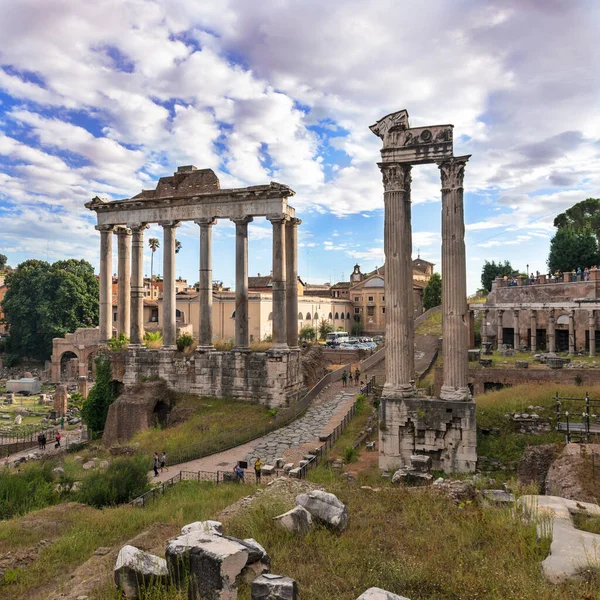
(337, 337)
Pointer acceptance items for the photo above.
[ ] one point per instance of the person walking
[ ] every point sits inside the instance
(257, 468)
(344, 378)
(239, 472)
(357, 376)
(62, 422)
(350, 377)
(57, 438)
(163, 462)
(155, 464)
(43, 441)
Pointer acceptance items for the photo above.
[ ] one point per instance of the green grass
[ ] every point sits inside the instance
(412, 543)
(499, 361)
(83, 530)
(431, 326)
(587, 523)
(493, 406)
(203, 420)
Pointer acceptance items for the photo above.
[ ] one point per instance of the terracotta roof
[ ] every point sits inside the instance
(342, 284)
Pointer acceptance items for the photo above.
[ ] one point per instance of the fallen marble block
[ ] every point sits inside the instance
(136, 570)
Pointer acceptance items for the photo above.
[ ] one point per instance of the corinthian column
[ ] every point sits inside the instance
(241, 282)
(500, 335)
(551, 331)
(169, 295)
(137, 283)
(106, 233)
(291, 286)
(454, 282)
(279, 321)
(399, 311)
(124, 285)
(533, 326)
(205, 280)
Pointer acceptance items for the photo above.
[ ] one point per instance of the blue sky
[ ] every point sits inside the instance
(103, 98)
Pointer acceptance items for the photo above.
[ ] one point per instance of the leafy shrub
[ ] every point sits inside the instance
(153, 339)
(124, 479)
(101, 396)
(118, 343)
(28, 490)
(183, 341)
(350, 454)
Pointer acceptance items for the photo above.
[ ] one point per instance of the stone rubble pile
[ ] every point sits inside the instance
(418, 471)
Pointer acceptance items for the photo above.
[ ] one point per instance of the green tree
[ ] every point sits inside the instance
(154, 246)
(101, 396)
(3, 260)
(44, 301)
(432, 294)
(307, 333)
(572, 248)
(177, 246)
(491, 270)
(325, 327)
(584, 215)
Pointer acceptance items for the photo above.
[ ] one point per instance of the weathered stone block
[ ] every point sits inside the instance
(420, 462)
(136, 570)
(214, 527)
(297, 520)
(325, 507)
(274, 587)
(375, 593)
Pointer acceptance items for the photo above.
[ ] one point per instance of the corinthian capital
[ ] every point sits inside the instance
(396, 176)
(453, 172)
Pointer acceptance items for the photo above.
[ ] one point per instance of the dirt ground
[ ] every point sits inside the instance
(575, 474)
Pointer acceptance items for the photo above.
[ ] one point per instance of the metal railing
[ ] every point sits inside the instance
(582, 418)
(12, 443)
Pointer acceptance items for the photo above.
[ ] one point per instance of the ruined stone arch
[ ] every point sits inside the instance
(66, 361)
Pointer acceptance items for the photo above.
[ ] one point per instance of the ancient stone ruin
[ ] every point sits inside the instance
(273, 377)
(442, 428)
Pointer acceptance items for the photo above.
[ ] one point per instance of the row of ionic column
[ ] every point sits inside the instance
(399, 286)
(130, 293)
(533, 330)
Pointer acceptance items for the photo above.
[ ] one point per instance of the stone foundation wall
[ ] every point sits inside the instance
(270, 378)
(478, 378)
(444, 430)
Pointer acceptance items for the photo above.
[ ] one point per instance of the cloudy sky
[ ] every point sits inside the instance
(102, 97)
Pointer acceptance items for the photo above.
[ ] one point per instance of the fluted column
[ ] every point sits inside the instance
(241, 283)
(124, 285)
(571, 332)
(106, 233)
(399, 310)
(169, 291)
(592, 330)
(533, 327)
(500, 335)
(454, 282)
(279, 278)
(551, 331)
(205, 280)
(137, 283)
(291, 285)
(516, 331)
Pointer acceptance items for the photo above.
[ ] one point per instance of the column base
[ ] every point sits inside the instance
(241, 349)
(205, 348)
(455, 394)
(278, 350)
(406, 390)
(444, 431)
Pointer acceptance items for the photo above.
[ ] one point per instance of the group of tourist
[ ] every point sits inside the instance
(42, 440)
(239, 470)
(348, 376)
(558, 276)
(159, 463)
